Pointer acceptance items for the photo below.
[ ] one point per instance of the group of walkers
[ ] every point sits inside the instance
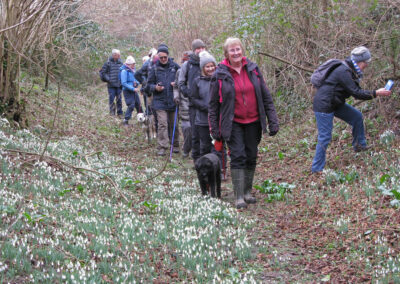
(228, 104)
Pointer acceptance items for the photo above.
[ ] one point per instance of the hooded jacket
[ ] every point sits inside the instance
(183, 101)
(201, 99)
(110, 71)
(164, 74)
(128, 80)
(222, 101)
(341, 83)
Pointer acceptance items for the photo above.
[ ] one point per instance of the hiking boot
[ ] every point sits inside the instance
(176, 150)
(360, 148)
(161, 152)
(238, 176)
(125, 123)
(185, 155)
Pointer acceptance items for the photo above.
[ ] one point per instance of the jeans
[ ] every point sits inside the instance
(132, 100)
(346, 113)
(243, 145)
(115, 94)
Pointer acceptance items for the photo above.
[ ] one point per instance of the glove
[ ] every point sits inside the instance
(176, 101)
(273, 132)
(218, 145)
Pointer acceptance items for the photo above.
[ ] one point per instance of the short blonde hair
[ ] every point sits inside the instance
(231, 41)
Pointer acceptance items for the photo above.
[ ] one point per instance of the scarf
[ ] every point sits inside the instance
(358, 70)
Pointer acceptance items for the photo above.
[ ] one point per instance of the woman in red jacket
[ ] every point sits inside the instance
(239, 105)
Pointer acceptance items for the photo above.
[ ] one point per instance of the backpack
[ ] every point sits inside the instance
(324, 70)
(101, 73)
(123, 67)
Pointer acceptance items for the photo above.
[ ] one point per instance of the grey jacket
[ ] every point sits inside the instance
(201, 99)
(182, 101)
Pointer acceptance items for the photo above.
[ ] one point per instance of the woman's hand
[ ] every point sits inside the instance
(382, 92)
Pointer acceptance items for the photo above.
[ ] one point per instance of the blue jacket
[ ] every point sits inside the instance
(128, 80)
(164, 74)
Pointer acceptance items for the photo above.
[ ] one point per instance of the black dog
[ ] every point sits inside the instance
(208, 168)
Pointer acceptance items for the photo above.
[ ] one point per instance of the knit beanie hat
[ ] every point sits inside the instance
(197, 43)
(205, 58)
(361, 54)
(163, 48)
(130, 60)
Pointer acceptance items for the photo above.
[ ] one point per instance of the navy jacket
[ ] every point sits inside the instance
(342, 83)
(110, 70)
(190, 71)
(221, 109)
(164, 74)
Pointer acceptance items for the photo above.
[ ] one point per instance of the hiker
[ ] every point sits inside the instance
(160, 83)
(130, 88)
(183, 103)
(142, 76)
(201, 99)
(109, 73)
(191, 70)
(239, 104)
(329, 102)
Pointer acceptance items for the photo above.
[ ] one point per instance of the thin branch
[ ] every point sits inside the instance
(287, 62)
(21, 23)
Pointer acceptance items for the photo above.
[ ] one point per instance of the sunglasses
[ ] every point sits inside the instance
(163, 57)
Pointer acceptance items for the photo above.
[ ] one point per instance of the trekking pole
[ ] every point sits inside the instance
(173, 134)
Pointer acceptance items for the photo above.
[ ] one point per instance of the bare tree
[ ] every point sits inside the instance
(37, 32)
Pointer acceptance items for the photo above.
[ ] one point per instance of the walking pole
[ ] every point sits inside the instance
(173, 133)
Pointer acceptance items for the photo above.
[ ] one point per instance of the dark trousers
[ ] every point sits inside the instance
(206, 145)
(114, 94)
(195, 134)
(187, 136)
(132, 100)
(243, 145)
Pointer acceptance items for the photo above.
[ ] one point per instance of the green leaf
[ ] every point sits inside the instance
(396, 194)
(29, 217)
(384, 178)
(80, 188)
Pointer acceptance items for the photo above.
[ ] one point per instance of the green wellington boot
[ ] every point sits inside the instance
(248, 185)
(238, 176)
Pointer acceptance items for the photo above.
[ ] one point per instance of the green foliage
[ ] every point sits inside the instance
(275, 191)
(340, 177)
